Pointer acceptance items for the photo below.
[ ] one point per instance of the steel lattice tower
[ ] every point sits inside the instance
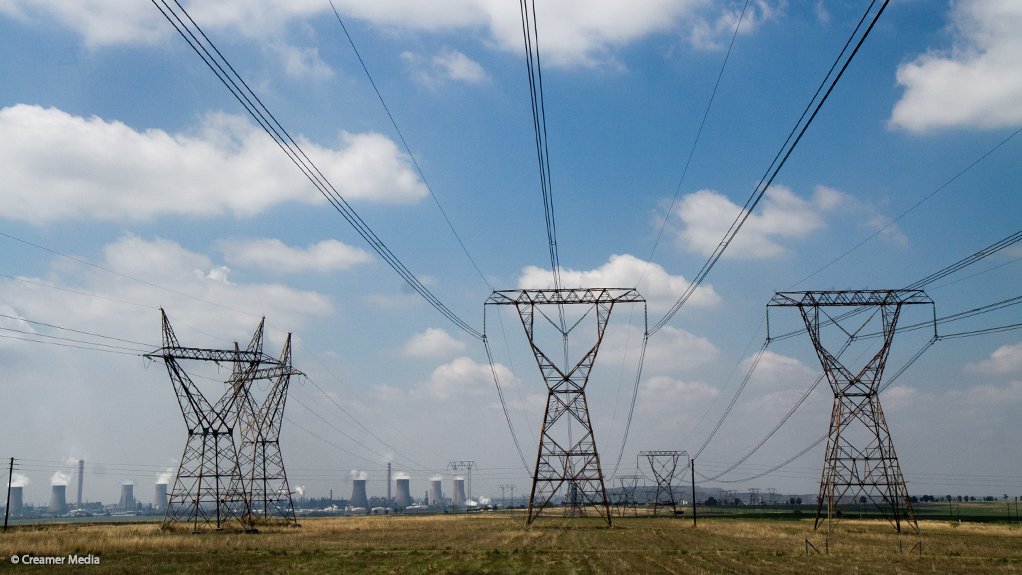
(259, 456)
(664, 465)
(567, 452)
(209, 491)
(629, 485)
(859, 459)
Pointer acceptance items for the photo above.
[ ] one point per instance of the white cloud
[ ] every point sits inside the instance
(59, 166)
(446, 66)
(572, 32)
(303, 63)
(181, 281)
(715, 33)
(976, 84)
(672, 350)
(1005, 359)
(432, 343)
(624, 271)
(275, 256)
(706, 215)
(667, 395)
(778, 371)
(100, 22)
(463, 377)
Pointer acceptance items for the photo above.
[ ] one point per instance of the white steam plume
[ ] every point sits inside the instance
(60, 478)
(165, 475)
(356, 474)
(19, 480)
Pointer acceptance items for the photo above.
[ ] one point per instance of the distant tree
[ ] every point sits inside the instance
(862, 499)
(959, 498)
(798, 501)
(712, 501)
(914, 499)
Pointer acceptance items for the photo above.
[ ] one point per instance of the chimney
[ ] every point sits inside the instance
(388, 484)
(81, 471)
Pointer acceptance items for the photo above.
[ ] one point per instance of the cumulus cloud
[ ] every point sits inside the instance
(177, 279)
(665, 395)
(433, 342)
(275, 256)
(303, 63)
(672, 350)
(975, 84)
(778, 371)
(446, 66)
(1004, 360)
(463, 377)
(659, 288)
(60, 166)
(706, 216)
(573, 32)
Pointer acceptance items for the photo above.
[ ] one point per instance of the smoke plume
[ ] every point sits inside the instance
(356, 474)
(60, 478)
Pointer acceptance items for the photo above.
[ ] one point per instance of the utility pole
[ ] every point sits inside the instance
(692, 466)
(10, 479)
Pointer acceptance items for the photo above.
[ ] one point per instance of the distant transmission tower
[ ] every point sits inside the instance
(567, 447)
(209, 491)
(860, 458)
(629, 484)
(664, 465)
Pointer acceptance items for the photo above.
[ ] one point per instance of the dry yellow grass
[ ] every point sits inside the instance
(495, 543)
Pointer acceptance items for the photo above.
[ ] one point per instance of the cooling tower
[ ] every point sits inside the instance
(58, 500)
(358, 493)
(459, 492)
(127, 502)
(436, 493)
(160, 500)
(404, 493)
(16, 504)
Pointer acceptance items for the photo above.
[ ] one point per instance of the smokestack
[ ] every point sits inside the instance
(388, 484)
(81, 472)
(358, 493)
(436, 493)
(160, 500)
(16, 500)
(459, 491)
(404, 493)
(127, 502)
(58, 500)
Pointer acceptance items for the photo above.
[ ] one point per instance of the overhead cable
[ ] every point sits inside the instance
(197, 40)
(844, 59)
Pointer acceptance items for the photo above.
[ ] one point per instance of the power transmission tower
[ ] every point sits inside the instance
(664, 465)
(262, 463)
(563, 459)
(209, 491)
(754, 496)
(503, 499)
(859, 459)
(629, 484)
(467, 466)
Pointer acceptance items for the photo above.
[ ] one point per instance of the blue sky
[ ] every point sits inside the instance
(132, 180)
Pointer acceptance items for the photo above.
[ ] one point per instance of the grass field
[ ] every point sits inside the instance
(501, 543)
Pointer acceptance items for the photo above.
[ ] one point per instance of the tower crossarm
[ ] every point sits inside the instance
(849, 298)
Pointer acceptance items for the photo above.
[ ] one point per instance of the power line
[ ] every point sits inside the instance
(794, 137)
(530, 35)
(197, 40)
(408, 148)
(695, 142)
